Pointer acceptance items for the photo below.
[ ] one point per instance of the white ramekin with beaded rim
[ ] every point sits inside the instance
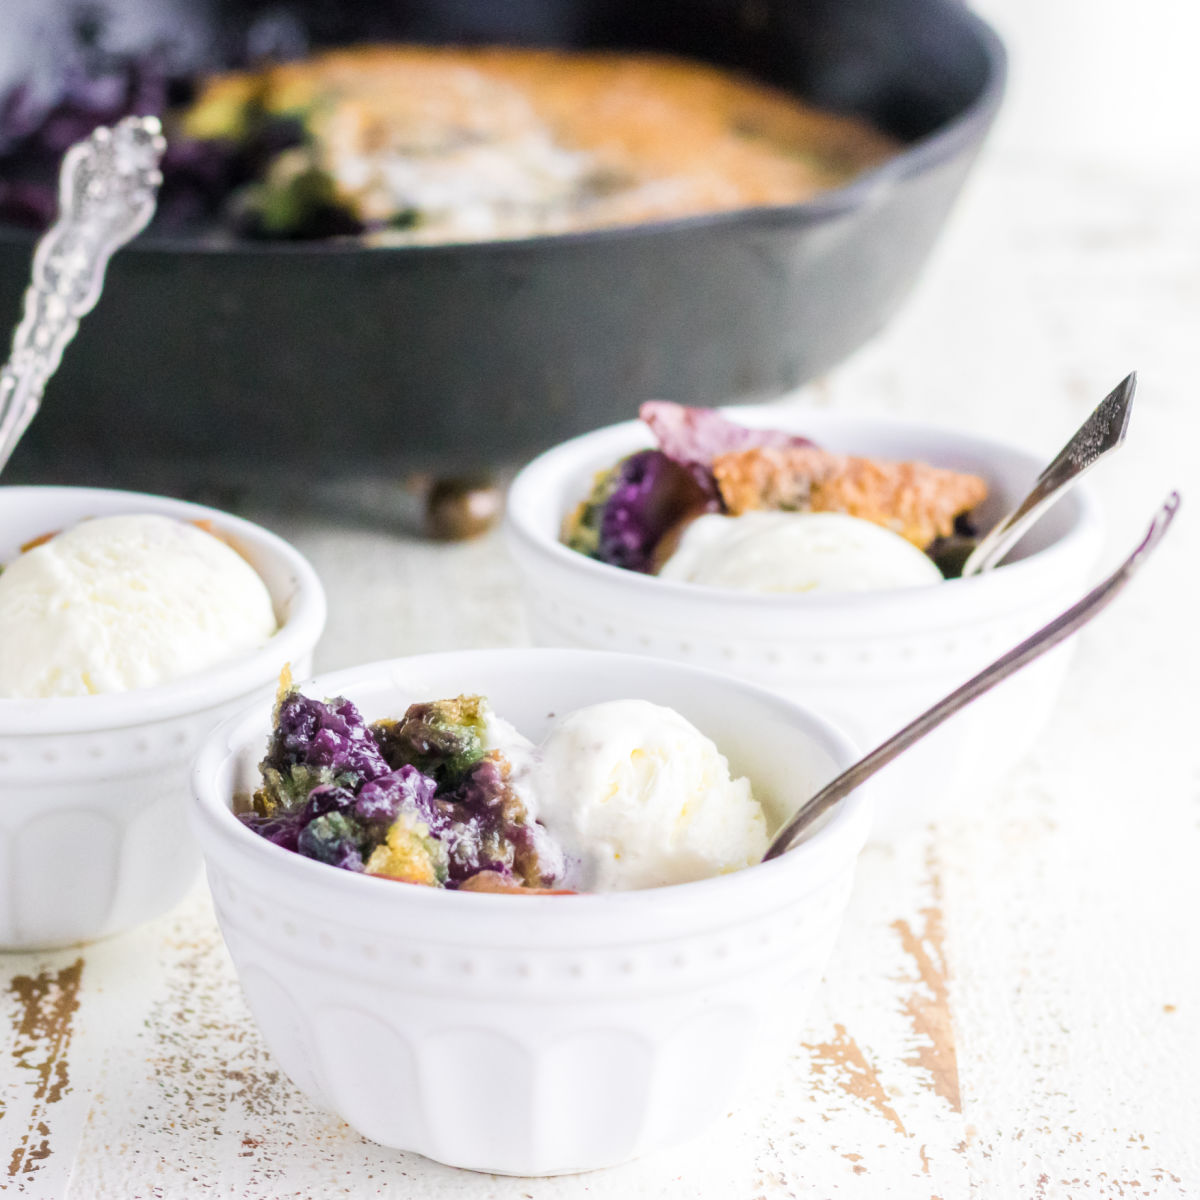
(870, 661)
(533, 1035)
(93, 827)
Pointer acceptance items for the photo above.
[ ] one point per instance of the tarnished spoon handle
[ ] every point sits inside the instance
(1097, 437)
(107, 190)
(1045, 639)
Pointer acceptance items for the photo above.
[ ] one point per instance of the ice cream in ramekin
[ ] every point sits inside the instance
(872, 659)
(535, 1034)
(125, 602)
(93, 831)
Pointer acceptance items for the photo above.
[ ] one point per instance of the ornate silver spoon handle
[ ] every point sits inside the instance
(1008, 664)
(107, 190)
(1098, 436)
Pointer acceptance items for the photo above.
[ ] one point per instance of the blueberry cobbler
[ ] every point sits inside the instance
(721, 504)
(423, 799)
(619, 795)
(401, 144)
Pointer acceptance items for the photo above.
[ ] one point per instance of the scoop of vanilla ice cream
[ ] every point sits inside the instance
(640, 798)
(797, 552)
(125, 602)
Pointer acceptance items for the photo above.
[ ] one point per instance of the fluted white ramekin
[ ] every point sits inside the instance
(533, 1035)
(871, 661)
(93, 814)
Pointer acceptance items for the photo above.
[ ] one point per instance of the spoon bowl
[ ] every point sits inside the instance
(1101, 434)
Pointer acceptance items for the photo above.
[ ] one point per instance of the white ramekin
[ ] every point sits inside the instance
(533, 1035)
(871, 661)
(94, 836)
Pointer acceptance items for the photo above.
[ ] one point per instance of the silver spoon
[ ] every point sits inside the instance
(1096, 438)
(107, 190)
(1008, 664)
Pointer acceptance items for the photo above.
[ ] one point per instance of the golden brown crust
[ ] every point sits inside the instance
(669, 137)
(913, 499)
(494, 882)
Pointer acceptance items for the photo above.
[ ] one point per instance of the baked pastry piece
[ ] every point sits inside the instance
(913, 499)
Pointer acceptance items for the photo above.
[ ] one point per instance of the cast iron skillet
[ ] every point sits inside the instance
(334, 358)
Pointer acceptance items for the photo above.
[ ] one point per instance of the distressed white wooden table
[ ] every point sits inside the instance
(1013, 1009)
